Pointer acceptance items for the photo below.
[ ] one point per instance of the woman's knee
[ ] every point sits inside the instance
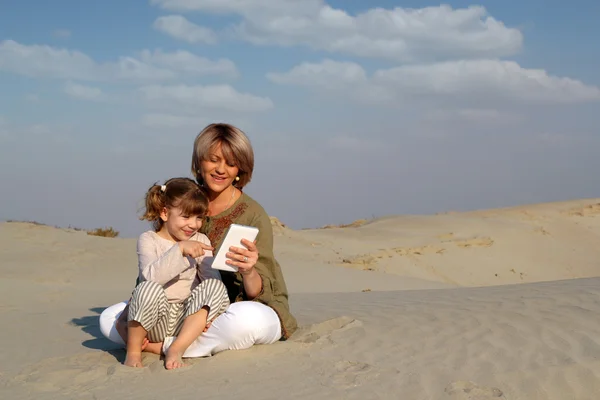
(252, 320)
(108, 319)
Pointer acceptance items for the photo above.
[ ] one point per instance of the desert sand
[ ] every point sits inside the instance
(490, 304)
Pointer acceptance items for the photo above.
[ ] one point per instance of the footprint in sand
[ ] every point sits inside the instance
(466, 390)
(79, 373)
(323, 331)
(347, 374)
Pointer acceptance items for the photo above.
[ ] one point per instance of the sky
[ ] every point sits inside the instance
(355, 109)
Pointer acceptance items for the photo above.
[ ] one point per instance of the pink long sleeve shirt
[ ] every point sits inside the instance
(161, 260)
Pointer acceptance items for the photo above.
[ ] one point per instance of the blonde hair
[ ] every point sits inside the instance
(236, 148)
(181, 193)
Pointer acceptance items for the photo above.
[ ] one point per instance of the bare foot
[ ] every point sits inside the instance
(173, 359)
(155, 348)
(134, 360)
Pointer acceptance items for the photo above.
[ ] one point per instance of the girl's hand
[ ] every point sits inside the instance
(244, 259)
(193, 248)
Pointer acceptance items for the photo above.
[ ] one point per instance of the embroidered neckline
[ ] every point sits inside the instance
(219, 224)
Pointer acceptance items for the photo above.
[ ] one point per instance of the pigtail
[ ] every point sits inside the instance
(155, 202)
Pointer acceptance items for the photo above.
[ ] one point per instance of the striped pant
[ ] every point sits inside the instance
(149, 306)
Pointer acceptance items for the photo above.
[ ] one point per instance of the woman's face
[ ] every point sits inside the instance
(217, 172)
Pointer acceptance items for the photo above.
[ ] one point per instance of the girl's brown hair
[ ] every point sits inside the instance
(236, 148)
(181, 193)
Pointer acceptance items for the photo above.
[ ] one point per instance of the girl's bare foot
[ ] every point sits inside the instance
(155, 348)
(133, 360)
(173, 359)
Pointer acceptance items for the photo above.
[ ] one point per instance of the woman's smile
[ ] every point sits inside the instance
(219, 179)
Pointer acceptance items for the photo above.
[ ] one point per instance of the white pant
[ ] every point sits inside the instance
(243, 325)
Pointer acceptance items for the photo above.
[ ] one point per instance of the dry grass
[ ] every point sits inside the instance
(355, 224)
(103, 232)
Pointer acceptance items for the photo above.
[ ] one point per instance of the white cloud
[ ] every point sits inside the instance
(158, 120)
(83, 92)
(401, 34)
(484, 77)
(484, 80)
(186, 62)
(337, 78)
(46, 61)
(179, 27)
(50, 62)
(328, 74)
(194, 99)
(62, 33)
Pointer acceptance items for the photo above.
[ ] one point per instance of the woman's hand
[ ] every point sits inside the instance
(244, 259)
(193, 248)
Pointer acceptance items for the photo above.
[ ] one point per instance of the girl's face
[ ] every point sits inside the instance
(217, 172)
(178, 226)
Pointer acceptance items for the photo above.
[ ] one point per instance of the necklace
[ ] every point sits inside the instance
(230, 200)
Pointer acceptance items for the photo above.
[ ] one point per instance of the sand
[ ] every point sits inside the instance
(491, 304)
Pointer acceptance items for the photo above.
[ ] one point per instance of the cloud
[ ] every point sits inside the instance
(158, 120)
(62, 33)
(327, 74)
(481, 80)
(179, 27)
(46, 61)
(194, 99)
(83, 92)
(484, 77)
(42, 61)
(186, 62)
(400, 34)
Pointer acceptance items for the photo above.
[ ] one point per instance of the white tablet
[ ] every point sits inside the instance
(234, 237)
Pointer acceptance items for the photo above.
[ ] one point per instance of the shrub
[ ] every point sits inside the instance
(104, 232)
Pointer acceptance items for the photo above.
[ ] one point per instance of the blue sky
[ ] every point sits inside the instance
(355, 108)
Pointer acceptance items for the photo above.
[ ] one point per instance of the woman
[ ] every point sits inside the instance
(223, 162)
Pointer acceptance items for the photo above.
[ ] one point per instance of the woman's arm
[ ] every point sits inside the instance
(252, 280)
(256, 275)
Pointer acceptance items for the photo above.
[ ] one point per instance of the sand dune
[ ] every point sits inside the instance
(410, 307)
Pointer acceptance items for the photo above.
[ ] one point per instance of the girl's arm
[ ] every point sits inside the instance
(156, 267)
(205, 269)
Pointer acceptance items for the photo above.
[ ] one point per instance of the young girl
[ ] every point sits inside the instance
(176, 295)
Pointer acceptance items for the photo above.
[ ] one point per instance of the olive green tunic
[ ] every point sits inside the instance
(246, 211)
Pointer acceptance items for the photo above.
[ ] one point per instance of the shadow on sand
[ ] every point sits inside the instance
(91, 325)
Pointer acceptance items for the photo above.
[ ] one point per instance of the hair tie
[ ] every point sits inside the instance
(163, 188)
